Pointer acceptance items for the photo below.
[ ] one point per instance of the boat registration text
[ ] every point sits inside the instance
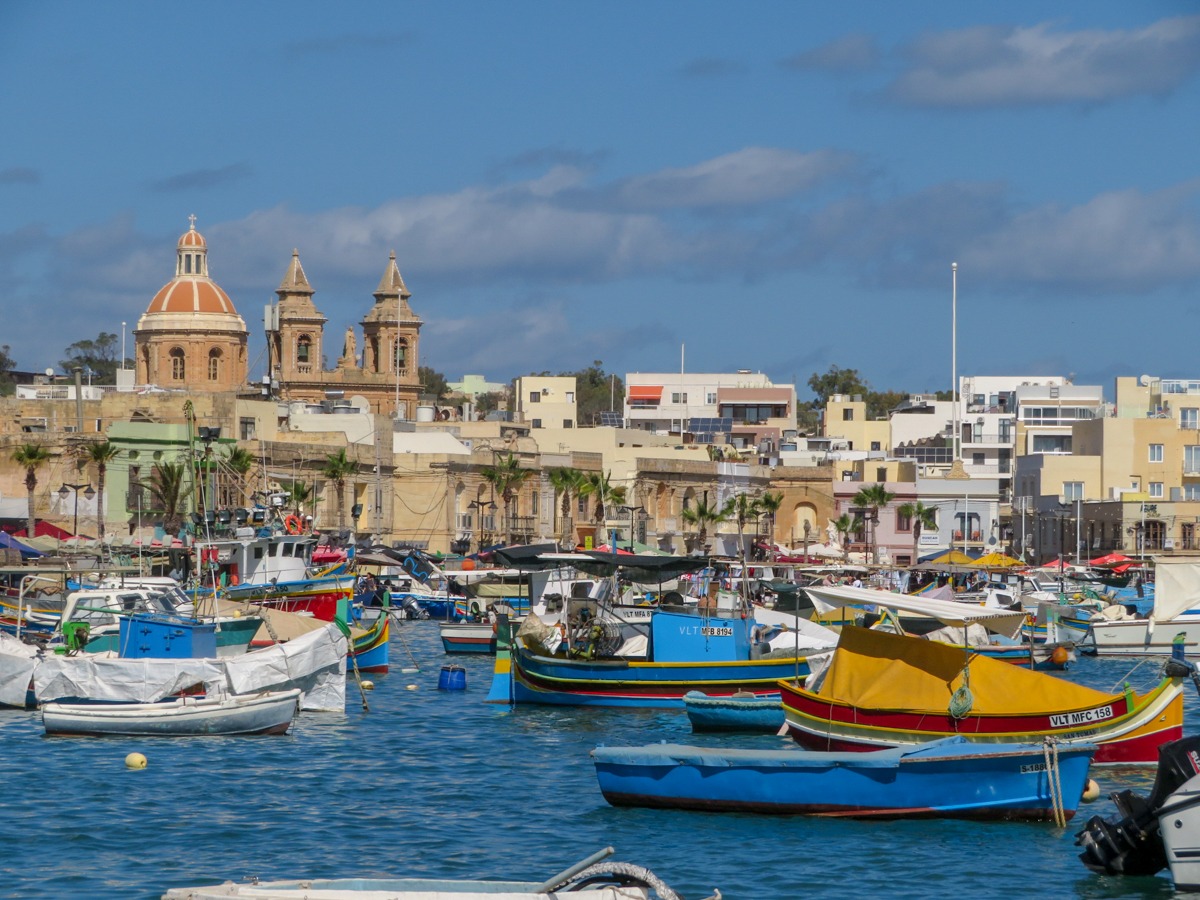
(1082, 717)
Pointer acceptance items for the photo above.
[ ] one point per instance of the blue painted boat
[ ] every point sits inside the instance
(741, 712)
(686, 651)
(948, 778)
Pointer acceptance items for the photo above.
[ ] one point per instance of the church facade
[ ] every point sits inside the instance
(384, 374)
(192, 338)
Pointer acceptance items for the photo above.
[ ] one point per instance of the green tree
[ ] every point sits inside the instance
(836, 381)
(923, 518)
(604, 494)
(596, 391)
(769, 503)
(845, 525)
(881, 403)
(101, 356)
(239, 461)
(298, 494)
(702, 515)
(433, 383)
(7, 364)
(506, 476)
(337, 468)
(169, 492)
(490, 402)
(567, 482)
(872, 499)
(30, 457)
(100, 455)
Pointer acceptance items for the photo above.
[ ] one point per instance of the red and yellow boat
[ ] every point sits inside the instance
(889, 690)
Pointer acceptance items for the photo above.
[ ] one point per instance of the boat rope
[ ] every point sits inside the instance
(962, 699)
(638, 874)
(1054, 780)
(1125, 678)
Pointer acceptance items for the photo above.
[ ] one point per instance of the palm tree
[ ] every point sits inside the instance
(298, 493)
(922, 517)
(100, 455)
(567, 481)
(239, 461)
(702, 515)
(600, 486)
(742, 509)
(872, 499)
(169, 490)
(768, 505)
(506, 477)
(844, 525)
(30, 456)
(338, 467)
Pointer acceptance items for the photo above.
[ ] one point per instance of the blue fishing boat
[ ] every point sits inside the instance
(948, 778)
(686, 651)
(741, 712)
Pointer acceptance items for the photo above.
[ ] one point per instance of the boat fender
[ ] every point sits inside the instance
(1091, 791)
(135, 761)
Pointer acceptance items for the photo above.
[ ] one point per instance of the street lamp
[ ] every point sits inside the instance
(633, 511)
(66, 489)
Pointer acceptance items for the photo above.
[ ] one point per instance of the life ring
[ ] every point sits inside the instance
(292, 525)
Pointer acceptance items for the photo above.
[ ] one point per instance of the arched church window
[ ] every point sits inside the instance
(214, 365)
(178, 366)
(401, 355)
(187, 263)
(303, 349)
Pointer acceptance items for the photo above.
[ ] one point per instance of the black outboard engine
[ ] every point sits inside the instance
(1129, 843)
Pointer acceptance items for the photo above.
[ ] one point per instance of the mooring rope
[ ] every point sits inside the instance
(1054, 780)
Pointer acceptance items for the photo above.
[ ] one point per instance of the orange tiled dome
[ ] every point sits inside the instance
(191, 295)
(191, 238)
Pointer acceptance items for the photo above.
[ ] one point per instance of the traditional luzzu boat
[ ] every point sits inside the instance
(948, 778)
(595, 657)
(887, 690)
(268, 712)
(592, 878)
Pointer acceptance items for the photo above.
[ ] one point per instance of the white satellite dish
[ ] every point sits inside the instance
(50, 373)
(1144, 380)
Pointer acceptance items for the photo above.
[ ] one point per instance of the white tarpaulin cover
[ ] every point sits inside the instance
(314, 662)
(17, 661)
(948, 612)
(1176, 588)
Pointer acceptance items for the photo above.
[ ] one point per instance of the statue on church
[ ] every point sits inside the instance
(349, 351)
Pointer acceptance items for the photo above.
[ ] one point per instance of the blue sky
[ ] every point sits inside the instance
(775, 186)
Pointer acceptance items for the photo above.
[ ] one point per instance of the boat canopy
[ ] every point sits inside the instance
(949, 612)
(881, 670)
(1176, 588)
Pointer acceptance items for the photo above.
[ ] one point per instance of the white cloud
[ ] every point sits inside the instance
(1021, 66)
(849, 53)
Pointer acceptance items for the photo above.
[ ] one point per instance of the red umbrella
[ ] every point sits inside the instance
(1110, 559)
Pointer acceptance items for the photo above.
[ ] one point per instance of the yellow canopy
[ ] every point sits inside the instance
(997, 560)
(951, 558)
(879, 670)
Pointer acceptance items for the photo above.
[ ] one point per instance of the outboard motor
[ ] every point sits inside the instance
(1130, 843)
(412, 609)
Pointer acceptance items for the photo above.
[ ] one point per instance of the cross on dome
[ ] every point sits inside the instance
(192, 222)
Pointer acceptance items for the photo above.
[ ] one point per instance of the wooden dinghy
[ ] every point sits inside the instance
(269, 712)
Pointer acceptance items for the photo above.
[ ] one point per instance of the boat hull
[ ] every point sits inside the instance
(467, 637)
(1125, 732)
(733, 714)
(266, 713)
(951, 778)
(650, 685)
(1133, 637)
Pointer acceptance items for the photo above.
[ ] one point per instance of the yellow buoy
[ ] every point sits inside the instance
(410, 687)
(1091, 791)
(135, 761)
(368, 685)
(1060, 656)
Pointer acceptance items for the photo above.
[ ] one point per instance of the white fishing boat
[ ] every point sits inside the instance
(269, 712)
(589, 879)
(1174, 620)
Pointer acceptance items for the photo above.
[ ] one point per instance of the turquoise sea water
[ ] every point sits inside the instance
(438, 783)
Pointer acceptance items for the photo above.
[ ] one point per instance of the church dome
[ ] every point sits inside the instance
(191, 292)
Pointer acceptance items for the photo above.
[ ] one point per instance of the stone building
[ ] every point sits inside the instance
(191, 336)
(384, 374)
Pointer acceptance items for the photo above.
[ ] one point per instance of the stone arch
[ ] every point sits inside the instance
(215, 359)
(178, 359)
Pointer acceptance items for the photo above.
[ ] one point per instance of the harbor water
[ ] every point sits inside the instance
(437, 783)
